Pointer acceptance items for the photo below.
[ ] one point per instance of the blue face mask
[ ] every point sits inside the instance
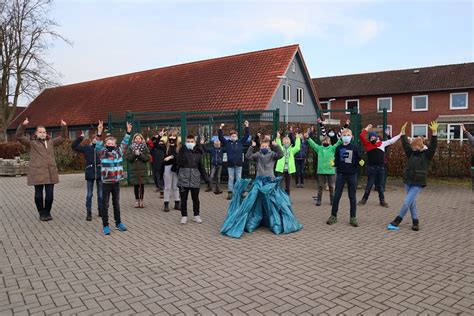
(346, 139)
(264, 150)
(190, 146)
(286, 146)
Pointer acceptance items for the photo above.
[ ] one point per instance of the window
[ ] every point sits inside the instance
(325, 105)
(419, 103)
(293, 67)
(299, 96)
(286, 92)
(419, 130)
(389, 127)
(458, 101)
(352, 104)
(454, 132)
(384, 103)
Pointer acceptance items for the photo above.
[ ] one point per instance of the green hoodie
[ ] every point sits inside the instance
(325, 156)
(291, 152)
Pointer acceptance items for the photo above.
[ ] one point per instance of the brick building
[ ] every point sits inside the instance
(420, 95)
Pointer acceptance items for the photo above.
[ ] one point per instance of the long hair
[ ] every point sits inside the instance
(178, 140)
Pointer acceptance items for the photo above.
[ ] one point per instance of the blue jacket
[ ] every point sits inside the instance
(347, 159)
(216, 155)
(93, 165)
(303, 146)
(234, 150)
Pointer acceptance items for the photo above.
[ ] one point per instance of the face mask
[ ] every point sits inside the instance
(264, 150)
(172, 140)
(110, 148)
(325, 145)
(373, 141)
(331, 134)
(217, 146)
(233, 138)
(346, 139)
(190, 146)
(41, 136)
(286, 146)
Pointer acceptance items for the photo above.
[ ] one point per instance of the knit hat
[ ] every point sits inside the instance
(372, 134)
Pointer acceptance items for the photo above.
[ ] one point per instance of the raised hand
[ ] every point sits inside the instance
(100, 127)
(162, 133)
(369, 127)
(306, 135)
(246, 123)
(63, 123)
(464, 128)
(202, 141)
(319, 120)
(434, 126)
(26, 122)
(82, 134)
(254, 144)
(348, 122)
(402, 130)
(278, 135)
(129, 127)
(222, 125)
(291, 129)
(274, 143)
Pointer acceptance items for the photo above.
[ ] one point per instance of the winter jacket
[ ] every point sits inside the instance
(376, 152)
(112, 161)
(42, 168)
(325, 156)
(172, 162)
(217, 155)
(347, 158)
(190, 168)
(92, 170)
(265, 162)
(290, 152)
(418, 164)
(233, 149)
(301, 155)
(157, 152)
(138, 166)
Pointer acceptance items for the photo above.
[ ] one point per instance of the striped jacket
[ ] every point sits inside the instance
(112, 161)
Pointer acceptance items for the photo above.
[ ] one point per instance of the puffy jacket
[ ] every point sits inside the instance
(291, 152)
(190, 167)
(138, 166)
(92, 158)
(418, 164)
(233, 149)
(325, 156)
(112, 161)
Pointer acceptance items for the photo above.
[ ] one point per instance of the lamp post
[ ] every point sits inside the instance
(287, 99)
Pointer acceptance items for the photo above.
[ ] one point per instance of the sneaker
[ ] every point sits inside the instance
(106, 230)
(318, 202)
(392, 227)
(49, 217)
(89, 216)
(137, 204)
(332, 220)
(43, 217)
(362, 202)
(184, 220)
(384, 204)
(198, 219)
(121, 227)
(353, 222)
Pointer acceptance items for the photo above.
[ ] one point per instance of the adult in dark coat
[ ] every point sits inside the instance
(92, 173)
(43, 171)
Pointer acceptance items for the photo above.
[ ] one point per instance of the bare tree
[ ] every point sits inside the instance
(26, 33)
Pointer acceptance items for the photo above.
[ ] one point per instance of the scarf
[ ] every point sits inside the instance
(138, 146)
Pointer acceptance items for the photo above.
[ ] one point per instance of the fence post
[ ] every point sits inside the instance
(110, 123)
(239, 123)
(276, 122)
(183, 126)
(384, 124)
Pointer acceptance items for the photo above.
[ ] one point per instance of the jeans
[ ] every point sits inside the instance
(235, 173)
(322, 180)
(90, 193)
(341, 180)
(216, 173)
(287, 178)
(157, 178)
(48, 198)
(171, 184)
(139, 190)
(410, 200)
(184, 192)
(375, 175)
(108, 189)
(299, 177)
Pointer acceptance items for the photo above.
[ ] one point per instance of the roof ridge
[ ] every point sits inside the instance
(394, 70)
(176, 65)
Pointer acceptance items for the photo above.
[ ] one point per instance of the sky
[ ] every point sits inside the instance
(112, 37)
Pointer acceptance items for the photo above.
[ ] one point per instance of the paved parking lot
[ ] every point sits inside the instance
(160, 267)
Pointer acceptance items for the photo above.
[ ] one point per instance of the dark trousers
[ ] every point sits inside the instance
(341, 180)
(299, 177)
(326, 179)
(157, 178)
(287, 177)
(108, 189)
(184, 192)
(216, 176)
(90, 193)
(44, 204)
(375, 175)
(139, 190)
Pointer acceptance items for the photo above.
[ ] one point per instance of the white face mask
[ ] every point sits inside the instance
(346, 139)
(41, 136)
(331, 134)
(233, 138)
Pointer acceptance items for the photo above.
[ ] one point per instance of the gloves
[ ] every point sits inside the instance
(434, 126)
(361, 162)
(402, 130)
(331, 163)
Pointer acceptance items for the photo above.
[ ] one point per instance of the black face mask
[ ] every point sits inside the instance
(110, 148)
(172, 140)
(93, 145)
(373, 141)
(325, 145)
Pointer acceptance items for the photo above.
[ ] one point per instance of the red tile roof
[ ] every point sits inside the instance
(244, 81)
(437, 78)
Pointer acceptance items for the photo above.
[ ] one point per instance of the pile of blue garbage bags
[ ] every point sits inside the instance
(265, 204)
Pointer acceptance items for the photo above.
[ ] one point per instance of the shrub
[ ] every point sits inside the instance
(11, 150)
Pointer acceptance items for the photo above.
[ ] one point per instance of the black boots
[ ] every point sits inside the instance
(396, 221)
(384, 204)
(229, 195)
(362, 202)
(416, 225)
(167, 207)
(89, 216)
(176, 206)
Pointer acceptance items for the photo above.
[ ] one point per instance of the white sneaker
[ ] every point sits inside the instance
(184, 219)
(198, 219)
